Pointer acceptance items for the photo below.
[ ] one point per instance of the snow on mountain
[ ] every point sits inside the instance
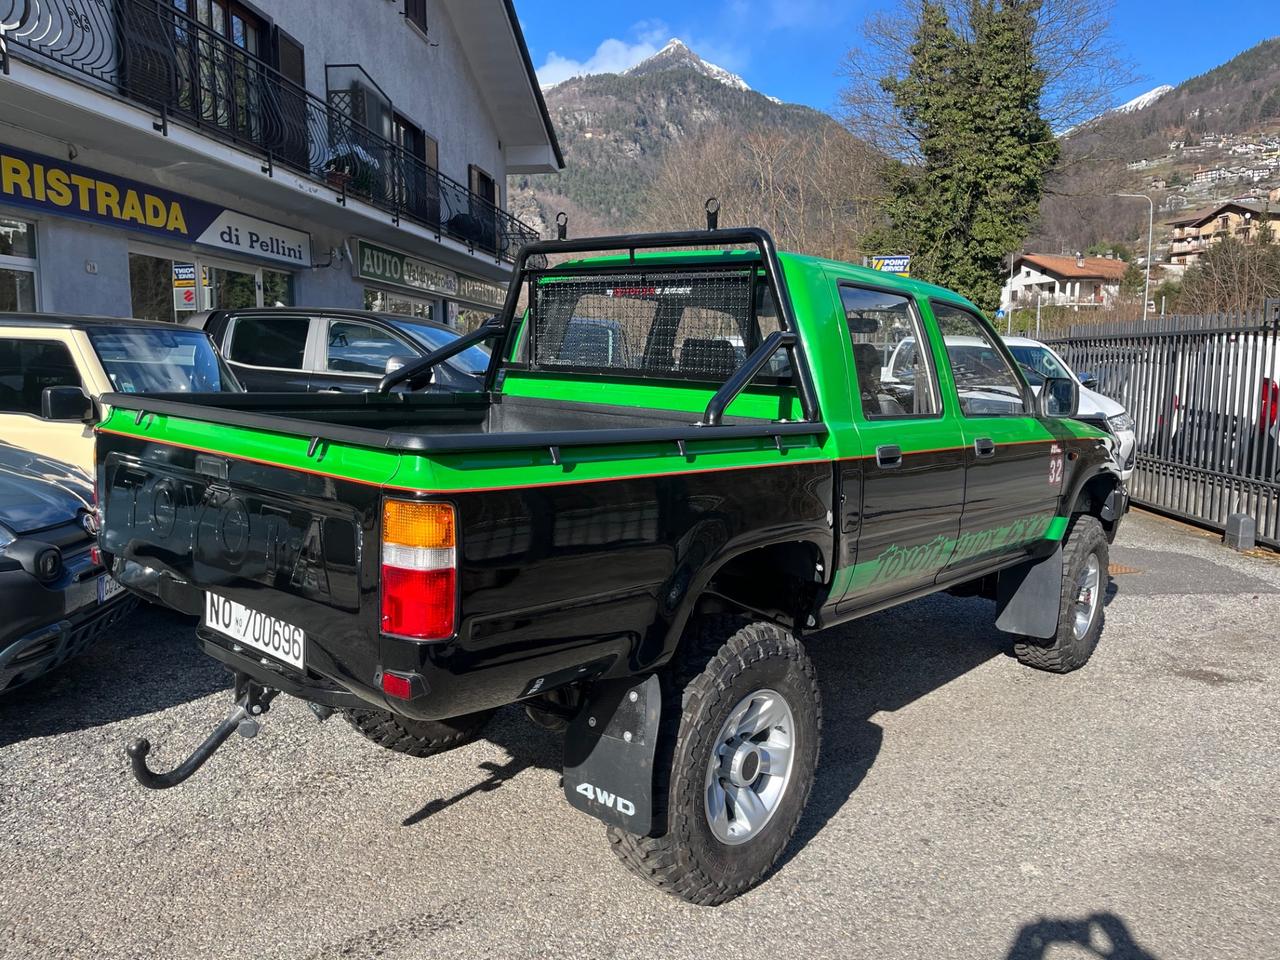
(677, 54)
(1143, 100)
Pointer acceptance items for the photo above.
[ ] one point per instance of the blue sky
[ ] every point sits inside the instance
(792, 49)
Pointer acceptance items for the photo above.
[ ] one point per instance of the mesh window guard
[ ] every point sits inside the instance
(699, 325)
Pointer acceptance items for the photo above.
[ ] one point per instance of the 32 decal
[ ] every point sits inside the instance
(1055, 465)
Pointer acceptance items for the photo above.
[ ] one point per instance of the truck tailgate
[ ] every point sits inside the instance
(280, 541)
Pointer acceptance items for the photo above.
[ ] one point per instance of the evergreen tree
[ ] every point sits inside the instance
(971, 101)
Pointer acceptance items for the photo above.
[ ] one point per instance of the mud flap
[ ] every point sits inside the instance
(1029, 597)
(609, 752)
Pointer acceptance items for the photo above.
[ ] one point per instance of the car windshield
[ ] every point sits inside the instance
(154, 360)
(1038, 363)
(473, 360)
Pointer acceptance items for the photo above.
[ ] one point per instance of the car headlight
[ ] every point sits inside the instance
(7, 536)
(1120, 422)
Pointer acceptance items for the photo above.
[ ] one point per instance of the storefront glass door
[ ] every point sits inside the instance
(166, 288)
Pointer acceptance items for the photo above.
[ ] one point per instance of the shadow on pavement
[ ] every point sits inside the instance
(149, 662)
(882, 662)
(1103, 935)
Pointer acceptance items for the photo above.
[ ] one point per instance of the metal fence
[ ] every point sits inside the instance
(154, 53)
(1204, 393)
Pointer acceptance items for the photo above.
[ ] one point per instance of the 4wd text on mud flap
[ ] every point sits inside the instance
(592, 792)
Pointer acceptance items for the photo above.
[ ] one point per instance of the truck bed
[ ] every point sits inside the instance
(452, 422)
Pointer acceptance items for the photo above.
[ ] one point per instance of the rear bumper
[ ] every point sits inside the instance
(37, 651)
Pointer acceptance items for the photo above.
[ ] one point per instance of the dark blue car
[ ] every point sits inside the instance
(55, 595)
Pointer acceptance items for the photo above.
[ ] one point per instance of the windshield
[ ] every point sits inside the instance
(1038, 363)
(472, 360)
(152, 360)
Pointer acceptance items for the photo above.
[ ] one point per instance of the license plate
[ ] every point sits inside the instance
(108, 588)
(255, 629)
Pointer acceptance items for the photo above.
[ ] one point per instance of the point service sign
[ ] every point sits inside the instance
(892, 263)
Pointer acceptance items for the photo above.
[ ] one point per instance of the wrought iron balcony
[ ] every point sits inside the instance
(151, 52)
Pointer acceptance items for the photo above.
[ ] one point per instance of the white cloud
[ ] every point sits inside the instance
(611, 56)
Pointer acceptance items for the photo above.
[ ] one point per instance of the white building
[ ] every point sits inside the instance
(1049, 280)
(339, 154)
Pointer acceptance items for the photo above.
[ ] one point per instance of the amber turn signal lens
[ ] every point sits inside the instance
(414, 524)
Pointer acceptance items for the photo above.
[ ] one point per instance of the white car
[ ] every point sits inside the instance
(1038, 361)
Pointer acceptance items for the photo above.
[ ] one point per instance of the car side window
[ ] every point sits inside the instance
(985, 382)
(275, 341)
(883, 325)
(27, 367)
(360, 348)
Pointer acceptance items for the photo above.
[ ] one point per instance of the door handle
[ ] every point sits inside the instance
(331, 390)
(888, 455)
(984, 447)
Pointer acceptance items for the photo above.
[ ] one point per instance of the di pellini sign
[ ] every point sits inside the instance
(53, 186)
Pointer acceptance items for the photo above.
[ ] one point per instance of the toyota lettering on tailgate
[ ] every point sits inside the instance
(214, 526)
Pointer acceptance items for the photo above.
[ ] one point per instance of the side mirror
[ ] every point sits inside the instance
(67, 404)
(1059, 397)
(395, 363)
(1089, 381)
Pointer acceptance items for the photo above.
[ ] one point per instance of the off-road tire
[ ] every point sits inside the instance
(724, 660)
(417, 738)
(1065, 651)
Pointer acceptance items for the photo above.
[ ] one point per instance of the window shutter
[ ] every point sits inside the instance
(416, 12)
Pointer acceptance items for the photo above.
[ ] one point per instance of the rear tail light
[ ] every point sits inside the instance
(419, 569)
(1269, 411)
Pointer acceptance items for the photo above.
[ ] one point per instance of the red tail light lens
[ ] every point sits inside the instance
(1269, 411)
(419, 577)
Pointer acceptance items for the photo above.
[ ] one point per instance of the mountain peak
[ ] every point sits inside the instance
(676, 55)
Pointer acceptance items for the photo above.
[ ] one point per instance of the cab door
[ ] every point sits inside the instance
(1014, 462)
(912, 477)
(31, 360)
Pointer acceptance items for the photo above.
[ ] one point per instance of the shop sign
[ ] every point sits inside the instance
(892, 263)
(184, 287)
(484, 292)
(380, 264)
(50, 185)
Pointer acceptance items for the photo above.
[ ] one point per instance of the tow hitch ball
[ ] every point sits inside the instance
(252, 700)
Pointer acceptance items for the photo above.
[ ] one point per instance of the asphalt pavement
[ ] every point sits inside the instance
(965, 807)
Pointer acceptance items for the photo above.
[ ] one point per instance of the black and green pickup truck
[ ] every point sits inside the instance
(683, 462)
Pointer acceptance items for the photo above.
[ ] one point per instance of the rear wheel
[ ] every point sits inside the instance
(743, 718)
(1080, 612)
(417, 738)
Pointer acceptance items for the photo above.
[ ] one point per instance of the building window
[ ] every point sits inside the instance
(483, 185)
(17, 265)
(383, 301)
(415, 11)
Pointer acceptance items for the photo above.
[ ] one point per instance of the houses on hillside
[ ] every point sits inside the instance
(1050, 280)
(1194, 232)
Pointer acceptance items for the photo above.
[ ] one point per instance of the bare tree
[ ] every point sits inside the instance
(815, 194)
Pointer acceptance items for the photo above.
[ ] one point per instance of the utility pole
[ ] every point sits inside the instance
(1151, 225)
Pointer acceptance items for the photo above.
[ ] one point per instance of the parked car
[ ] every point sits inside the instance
(1040, 361)
(339, 351)
(629, 543)
(1037, 362)
(55, 595)
(54, 370)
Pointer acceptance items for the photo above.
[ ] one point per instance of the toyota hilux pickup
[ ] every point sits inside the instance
(630, 535)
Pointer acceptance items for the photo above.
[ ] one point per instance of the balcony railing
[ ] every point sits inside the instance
(152, 52)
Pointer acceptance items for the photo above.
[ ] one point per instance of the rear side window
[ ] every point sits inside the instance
(277, 342)
(27, 367)
(884, 326)
(361, 348)
(985, 382)
(682, 323)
